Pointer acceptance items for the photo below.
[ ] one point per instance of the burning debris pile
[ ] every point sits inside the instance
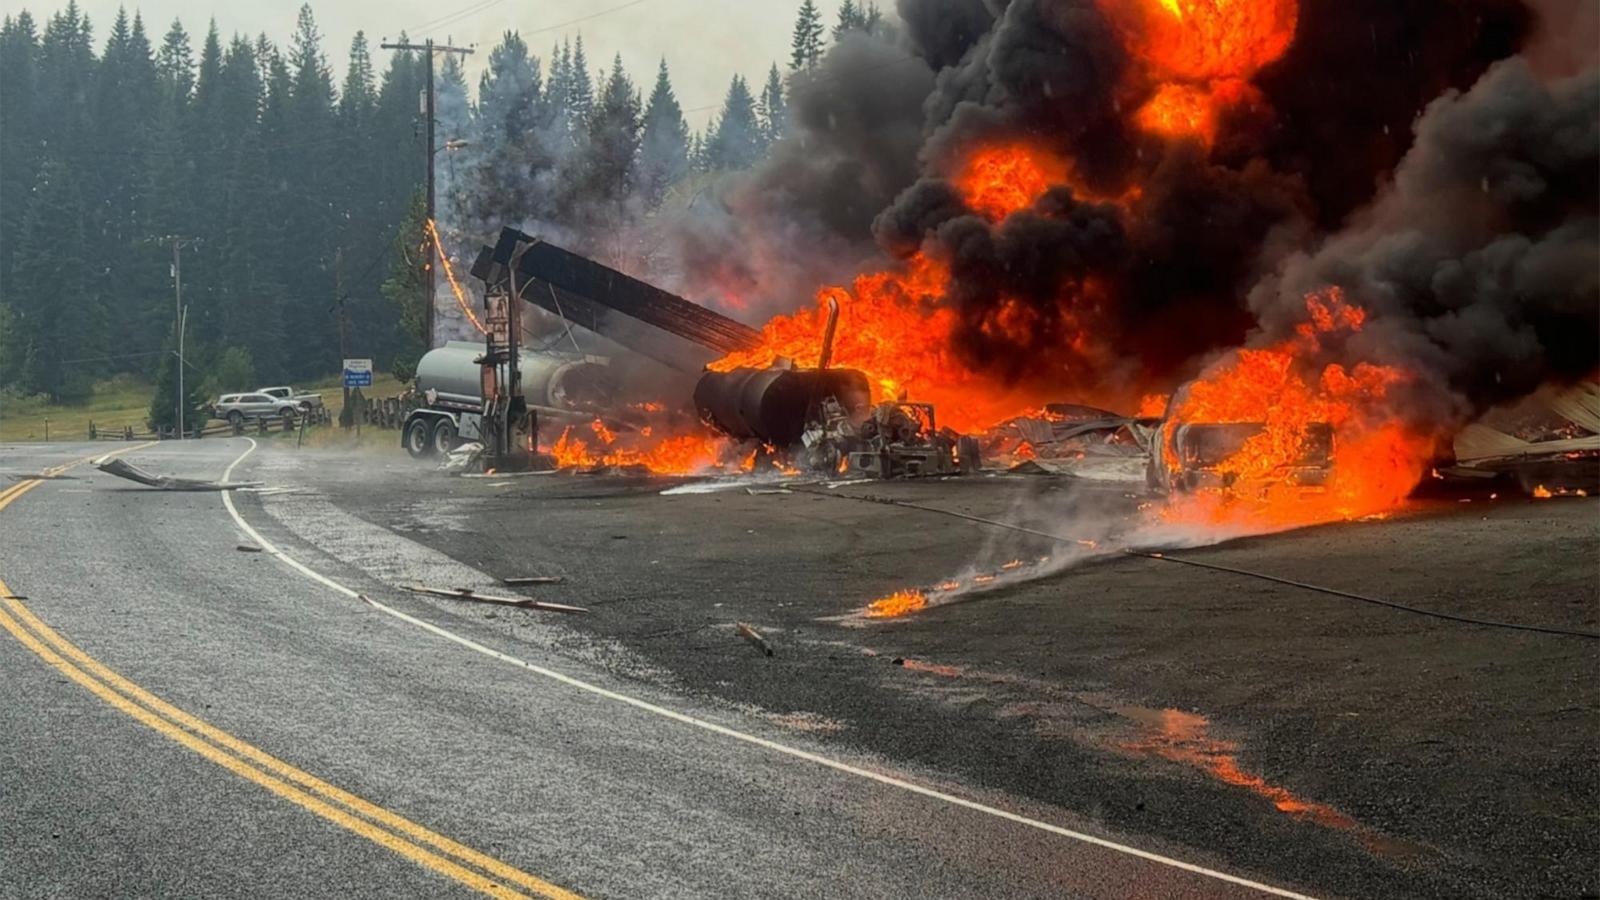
(1330, 241)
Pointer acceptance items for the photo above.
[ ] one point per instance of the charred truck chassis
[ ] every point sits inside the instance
(1184, 456)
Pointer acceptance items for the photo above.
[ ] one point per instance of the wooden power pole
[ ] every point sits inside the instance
(429, 48)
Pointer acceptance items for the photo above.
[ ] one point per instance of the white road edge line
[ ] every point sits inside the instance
(774, 746)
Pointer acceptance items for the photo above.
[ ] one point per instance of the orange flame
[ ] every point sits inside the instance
(1182, 737)
(893, 328)
(1199, 54)
(1377, 457)
(998, 181)
(1152, 406)
(678, 454)
(450, 275)
(899, 603)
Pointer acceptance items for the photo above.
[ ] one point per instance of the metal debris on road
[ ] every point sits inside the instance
(754, 637)
(124, 469)
(475, 597)
(247, 548)
(532, 579)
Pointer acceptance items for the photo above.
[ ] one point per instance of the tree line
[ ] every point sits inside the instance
(292, 198)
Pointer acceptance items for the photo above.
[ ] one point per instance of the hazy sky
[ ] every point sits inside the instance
(705, 42)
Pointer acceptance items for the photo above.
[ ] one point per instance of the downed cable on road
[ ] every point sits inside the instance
(1147, 554)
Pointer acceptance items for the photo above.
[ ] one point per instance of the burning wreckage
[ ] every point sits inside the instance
(820, 419)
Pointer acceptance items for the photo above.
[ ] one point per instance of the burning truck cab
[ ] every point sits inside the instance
(1235, 457)
(1192, 456)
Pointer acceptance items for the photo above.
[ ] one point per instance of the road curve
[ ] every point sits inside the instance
(173, 711)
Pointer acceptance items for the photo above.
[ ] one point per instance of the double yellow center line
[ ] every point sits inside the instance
(375, 823)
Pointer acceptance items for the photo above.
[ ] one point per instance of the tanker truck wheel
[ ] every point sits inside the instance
(444, 437)
(418, 439)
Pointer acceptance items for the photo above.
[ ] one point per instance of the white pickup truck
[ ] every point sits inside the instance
(284, 392)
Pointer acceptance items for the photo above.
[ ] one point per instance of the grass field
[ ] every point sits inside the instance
(125, 400)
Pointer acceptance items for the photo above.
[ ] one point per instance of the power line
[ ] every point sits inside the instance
(817, 80)
(484, 5)
(448, 18)
(593, 15)
(1162, 557)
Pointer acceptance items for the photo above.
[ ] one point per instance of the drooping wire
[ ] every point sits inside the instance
(1162, 557)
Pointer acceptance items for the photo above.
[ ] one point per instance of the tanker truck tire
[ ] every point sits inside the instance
(419, 438)
(443, 437)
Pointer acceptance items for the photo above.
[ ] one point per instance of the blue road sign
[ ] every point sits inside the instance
(357, 373)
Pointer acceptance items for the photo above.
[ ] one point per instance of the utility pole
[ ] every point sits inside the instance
(339, 298)
(429, 48)
(178, 317)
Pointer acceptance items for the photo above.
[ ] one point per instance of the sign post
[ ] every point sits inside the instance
(357, 374)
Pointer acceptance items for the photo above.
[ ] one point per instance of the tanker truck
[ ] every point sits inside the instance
(450, 382)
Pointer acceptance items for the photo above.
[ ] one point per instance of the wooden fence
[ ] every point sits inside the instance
(386, 413)
(207, 428)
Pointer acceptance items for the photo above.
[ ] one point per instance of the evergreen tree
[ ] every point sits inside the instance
(359, 95)
(872, 17)
(806, 46)
(664, 149)
(175, 65)
(612, 139)
(163, 411)
(850, 17)
(19, 155)
(311, 187)
(51, 288)
(697, 153)
(580, 97)
(864, 16)
(405, 286)
(19, 134)
(510, 91)
(558, 90)
(736, 139)
(773, 109)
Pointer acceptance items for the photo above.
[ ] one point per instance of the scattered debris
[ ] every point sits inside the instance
(124, 469)
(1075, 440)
(1548, 442)
(758, 492)
(247, 548)
(754, 637)
(475, 597)
(532, 579)
(462, 458)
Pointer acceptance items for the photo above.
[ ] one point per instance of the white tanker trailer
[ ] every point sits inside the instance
(450, 383)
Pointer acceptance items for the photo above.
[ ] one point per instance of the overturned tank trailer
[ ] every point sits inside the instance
(820, 418)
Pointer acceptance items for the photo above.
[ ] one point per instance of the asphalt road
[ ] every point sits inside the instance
(561, 763)
(1308, 739)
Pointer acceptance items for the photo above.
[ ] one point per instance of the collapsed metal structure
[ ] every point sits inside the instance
(819, 418)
